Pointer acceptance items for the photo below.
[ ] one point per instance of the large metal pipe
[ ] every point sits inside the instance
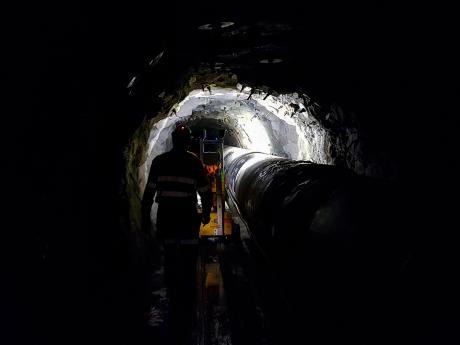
(300, 208)
(333, 238)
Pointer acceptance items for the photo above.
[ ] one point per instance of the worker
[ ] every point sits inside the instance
(174, 180)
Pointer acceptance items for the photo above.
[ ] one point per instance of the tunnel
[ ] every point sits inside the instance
(304, 193)
(257, 120)
(339, 164)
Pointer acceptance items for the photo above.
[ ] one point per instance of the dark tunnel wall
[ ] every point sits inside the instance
(71, 118)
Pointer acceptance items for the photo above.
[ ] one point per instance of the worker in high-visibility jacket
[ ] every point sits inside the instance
(175, 178)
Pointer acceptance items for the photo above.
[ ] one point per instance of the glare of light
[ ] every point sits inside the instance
(250, 161)
(205, 27)
(210, 26)
(155, 60)
(245, 89)
(257, 137)
(226, 24)
(270, 61)
(160, 126)
(131, 83)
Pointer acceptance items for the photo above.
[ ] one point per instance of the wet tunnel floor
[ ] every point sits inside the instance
(239, 303)
(228, 310)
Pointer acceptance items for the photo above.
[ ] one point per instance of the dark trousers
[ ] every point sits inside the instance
(180, 262)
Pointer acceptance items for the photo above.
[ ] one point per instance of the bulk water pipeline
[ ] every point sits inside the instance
(293, 204)
(263, 188)
(234, 160)
(333, 239)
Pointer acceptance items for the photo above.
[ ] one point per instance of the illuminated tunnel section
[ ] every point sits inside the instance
(280, 125)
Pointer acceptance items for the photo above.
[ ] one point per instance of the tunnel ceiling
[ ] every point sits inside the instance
(279, 125)
(327, 56)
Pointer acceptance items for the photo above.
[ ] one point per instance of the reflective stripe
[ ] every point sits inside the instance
(174, 194)
(180, 179)
(204, 189)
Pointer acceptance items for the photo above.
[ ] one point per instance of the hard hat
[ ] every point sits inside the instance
(181, 134)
